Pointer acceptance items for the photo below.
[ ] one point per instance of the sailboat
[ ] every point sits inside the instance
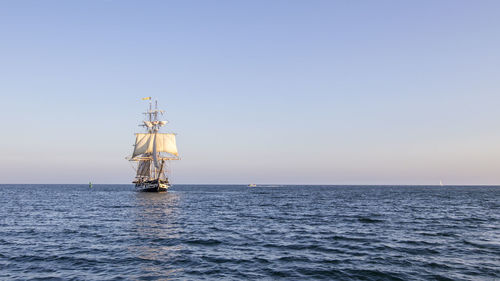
(152, 150)
(440, 182)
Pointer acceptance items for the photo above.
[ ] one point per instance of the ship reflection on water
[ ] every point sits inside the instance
(157, 234)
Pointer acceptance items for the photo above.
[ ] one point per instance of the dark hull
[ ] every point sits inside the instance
(152, 186)
(152, 189)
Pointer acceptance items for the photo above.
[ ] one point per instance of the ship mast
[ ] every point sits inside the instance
(152, 128)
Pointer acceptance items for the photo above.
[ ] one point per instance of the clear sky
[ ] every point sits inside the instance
(318, 92)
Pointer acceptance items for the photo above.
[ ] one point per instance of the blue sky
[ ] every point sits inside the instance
(318, 92)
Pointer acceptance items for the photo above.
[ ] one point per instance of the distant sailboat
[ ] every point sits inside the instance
(440, 182)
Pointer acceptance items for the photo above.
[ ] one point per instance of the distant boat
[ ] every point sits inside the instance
(152, 150)
(440, 182)
(252, 185)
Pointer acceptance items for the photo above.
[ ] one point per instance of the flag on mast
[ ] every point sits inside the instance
(146, 98)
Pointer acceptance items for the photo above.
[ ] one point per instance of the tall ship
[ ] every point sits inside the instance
(153, 151)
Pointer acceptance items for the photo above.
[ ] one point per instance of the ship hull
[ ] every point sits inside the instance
(152, 186)
(152, 189)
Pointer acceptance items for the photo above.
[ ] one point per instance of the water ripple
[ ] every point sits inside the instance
(68, 232)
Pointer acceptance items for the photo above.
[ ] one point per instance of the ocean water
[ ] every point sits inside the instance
(110, 232)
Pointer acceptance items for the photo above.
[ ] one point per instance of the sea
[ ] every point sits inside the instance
(236, 232)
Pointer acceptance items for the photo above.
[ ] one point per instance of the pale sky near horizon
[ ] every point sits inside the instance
(292, 92)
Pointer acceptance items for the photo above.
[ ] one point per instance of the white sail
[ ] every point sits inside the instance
(145, 143)
(142, 144)
(166, 143)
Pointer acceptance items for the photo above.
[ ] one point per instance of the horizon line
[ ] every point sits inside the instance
(259, 184)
